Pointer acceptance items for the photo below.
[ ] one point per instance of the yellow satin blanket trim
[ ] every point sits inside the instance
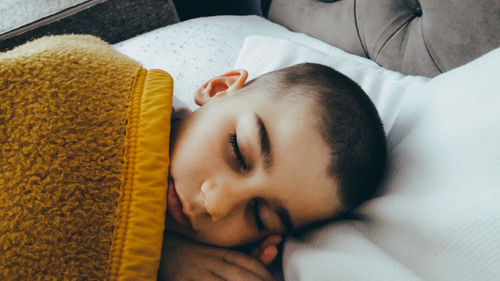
(136, 248)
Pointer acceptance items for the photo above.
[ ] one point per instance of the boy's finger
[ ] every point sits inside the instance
(268, 255)
(271, 240)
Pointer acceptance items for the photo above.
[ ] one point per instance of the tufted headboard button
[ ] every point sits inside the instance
(418, 12)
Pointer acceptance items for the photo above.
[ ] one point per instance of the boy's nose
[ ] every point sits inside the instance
(223, 197)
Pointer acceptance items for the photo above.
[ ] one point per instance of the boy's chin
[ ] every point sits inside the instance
(173, 226)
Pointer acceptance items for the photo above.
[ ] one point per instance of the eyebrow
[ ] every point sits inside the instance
(265, 144)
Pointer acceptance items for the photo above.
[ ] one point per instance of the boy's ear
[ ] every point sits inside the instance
(220, 86)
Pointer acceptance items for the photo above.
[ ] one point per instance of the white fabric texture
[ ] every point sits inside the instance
(197, 50)
(437, 217)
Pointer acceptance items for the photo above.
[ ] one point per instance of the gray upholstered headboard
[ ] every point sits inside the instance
(420, 37)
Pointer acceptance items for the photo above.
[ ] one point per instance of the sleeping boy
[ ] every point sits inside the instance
(258, 159)
(291, 147)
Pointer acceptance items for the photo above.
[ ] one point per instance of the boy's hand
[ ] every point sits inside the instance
(267, 250)
(183, 259)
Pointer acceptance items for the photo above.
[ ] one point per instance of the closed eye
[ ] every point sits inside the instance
(233, 141)
(258, 220)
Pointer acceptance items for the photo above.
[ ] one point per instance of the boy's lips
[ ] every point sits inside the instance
(174, 205)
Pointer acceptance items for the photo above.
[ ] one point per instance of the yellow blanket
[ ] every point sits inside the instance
(84, 139)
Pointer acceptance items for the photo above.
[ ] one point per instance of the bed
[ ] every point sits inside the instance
(431, 69)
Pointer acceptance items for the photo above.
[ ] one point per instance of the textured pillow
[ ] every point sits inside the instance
(197, 50)
(438, 216)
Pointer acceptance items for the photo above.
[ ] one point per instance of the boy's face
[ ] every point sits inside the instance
(244, 166)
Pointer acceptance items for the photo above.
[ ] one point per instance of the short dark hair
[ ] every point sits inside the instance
(348, 122)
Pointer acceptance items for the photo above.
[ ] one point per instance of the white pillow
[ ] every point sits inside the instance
(197, 50)
(438, 217)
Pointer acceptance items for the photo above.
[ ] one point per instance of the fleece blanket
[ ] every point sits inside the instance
(84, 139)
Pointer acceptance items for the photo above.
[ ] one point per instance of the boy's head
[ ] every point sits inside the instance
(289, 148)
